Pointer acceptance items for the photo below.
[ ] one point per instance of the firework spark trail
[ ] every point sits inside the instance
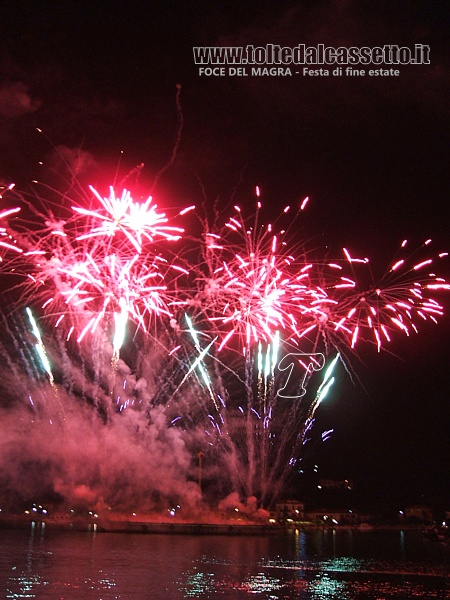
(198, 363)
(323, 390)
(321, 393)
(6, 240)
(266, 374)
(272, 438)
(40, 348)
(42, 353)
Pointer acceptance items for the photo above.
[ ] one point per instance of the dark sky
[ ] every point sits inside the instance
(371, 153)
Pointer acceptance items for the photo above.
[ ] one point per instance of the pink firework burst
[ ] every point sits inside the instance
(69, 268)
(138, 221)
(101, 286)
(255, 286)
(398, 302)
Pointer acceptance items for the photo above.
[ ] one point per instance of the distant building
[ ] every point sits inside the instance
(61, 517)
(292, 510)
(337, 516)
(419, 514)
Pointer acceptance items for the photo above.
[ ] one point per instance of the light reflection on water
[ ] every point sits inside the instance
(321, 565)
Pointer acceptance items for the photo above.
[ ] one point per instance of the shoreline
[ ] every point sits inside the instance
(101, 525)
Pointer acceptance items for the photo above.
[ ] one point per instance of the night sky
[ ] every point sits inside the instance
(371, 153)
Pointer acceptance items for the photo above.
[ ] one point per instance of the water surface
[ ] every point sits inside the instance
(322, 565)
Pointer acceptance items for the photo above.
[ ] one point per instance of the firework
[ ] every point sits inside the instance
(86, 281)
(226, 345)
(40, 348)
(254, 286)
(139, 222)
(397, 303)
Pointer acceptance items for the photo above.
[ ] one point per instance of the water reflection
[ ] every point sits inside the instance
(325, 588)
(199, 584)
(402, 544)
(319, 565)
